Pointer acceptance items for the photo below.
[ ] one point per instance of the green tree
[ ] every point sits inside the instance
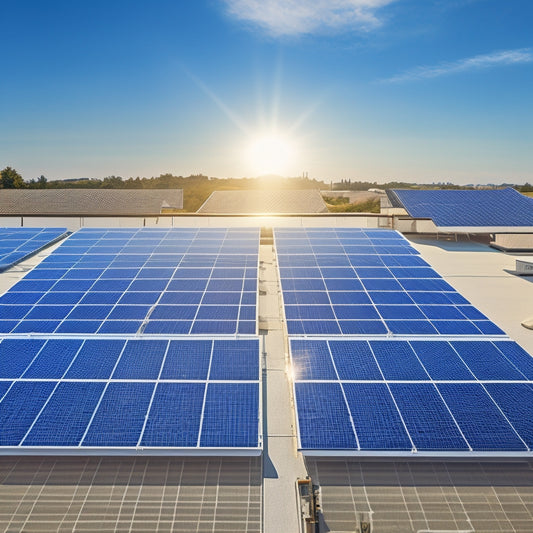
(11, 179)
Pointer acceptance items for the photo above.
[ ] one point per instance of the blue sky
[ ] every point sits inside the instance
(417, 90)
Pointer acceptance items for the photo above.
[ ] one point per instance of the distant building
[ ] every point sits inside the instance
(262, 201)
(89, 201)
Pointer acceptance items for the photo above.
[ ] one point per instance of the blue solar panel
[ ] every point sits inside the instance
(398, 361)
(426, 417)
(376, 418)
(516, 402)
(120, 416)
(231, 416)
(517, 356)
(235, 360)
(485, 361)
(382, 282)
(141, 359)
(95, 360)
(353, 360)
(489, 432)
(53, 359)
(456, 208)
(362, 327)
(312, 360)
(441, 361)
(187, 360)
(175, 415)
(411, 327)
(17, 244)
(19, 407)
(323, 417)
(65, 417)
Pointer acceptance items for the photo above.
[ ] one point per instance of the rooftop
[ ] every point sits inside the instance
(258, 202)
(88, 201)
(258, 494)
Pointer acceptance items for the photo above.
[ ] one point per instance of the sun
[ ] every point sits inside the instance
(270, 154)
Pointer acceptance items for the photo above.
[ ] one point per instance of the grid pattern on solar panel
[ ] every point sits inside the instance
(367, 282)
(456, 208)
(379, 396)
(112, 393)
(130, 281)
(16, 244)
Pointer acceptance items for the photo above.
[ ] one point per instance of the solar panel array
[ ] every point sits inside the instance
(413, 396)
(456, 208)
(117, 393)
(16, 244)
(128, 281)
(99, 348)
(367, 282)
(388, 358)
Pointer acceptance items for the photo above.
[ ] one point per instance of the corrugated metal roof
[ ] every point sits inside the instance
(88, 201)
(278, 201)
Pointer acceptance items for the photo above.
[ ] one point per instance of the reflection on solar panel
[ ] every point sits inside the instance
(483, 208)
(131, 281)
(16, 244)
(137, 395)
(418, 396)
(367, 282)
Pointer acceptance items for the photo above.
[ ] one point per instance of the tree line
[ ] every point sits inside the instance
(198, 187)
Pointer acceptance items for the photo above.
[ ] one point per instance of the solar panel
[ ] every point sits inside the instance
(412, 396)
(17, 244)
(478, 208)
(73, 394)
(379, 286)
(159, 282)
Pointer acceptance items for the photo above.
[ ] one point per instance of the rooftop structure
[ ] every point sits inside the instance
(88, 201)
(258, 493)
(258, 202)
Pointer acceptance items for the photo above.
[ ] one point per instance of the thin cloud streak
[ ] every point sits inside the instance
(298, 17)
(479, 62)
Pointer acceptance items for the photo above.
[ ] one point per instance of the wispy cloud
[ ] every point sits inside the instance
(480, 62)
(297, 17)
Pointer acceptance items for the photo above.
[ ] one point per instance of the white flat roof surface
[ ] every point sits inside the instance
(480, 274)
